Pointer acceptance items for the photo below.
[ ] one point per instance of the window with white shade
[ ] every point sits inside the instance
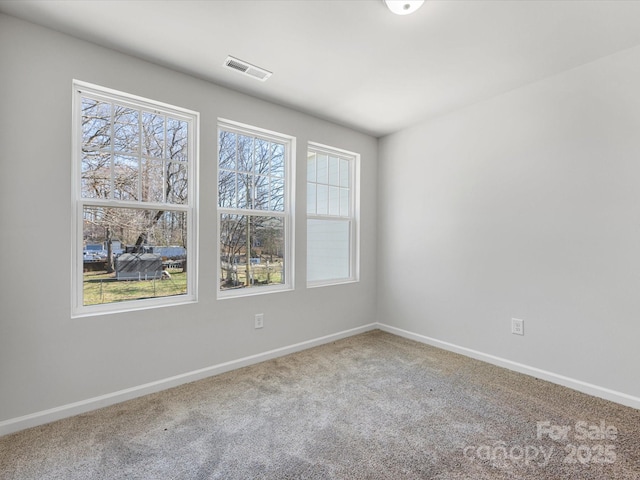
(332, 215)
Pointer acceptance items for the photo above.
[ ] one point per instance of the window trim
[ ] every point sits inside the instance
(82, 89)
(288, 213)
(354, 246)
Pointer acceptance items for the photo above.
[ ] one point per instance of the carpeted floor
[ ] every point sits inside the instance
(373, 406)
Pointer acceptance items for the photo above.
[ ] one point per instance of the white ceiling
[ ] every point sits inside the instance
(353, 61)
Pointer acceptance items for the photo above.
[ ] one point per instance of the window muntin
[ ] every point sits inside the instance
(254, 207)
(135, 164)
(332, 213)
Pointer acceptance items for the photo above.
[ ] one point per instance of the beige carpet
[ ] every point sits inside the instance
(373, 406)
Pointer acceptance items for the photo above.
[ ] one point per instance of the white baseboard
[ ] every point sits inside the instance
(40, 418)
(584, 387)
(76, 408)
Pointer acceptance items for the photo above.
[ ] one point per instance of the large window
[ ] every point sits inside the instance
(134, 191)
(332, 215)
(255, 169)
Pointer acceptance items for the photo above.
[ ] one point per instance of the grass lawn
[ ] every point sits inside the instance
(100, 287)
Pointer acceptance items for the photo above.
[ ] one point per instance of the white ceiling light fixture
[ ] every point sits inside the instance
(403, 7)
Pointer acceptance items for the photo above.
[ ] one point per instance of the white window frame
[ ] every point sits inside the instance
(81, 90)
(287, 214)
(354, 214)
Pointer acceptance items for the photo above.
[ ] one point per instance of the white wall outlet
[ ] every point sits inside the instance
(517, 326)
(259, 320)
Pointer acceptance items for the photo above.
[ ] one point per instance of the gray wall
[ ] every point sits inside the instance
(48, 359)
(525, 206)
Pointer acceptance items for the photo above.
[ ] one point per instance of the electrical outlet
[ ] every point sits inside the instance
(517, 326)
(259, 320)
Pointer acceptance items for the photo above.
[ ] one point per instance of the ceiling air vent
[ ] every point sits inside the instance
(246, 68)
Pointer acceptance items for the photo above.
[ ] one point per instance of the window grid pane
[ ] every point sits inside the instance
(126, 173)
(126, 134)
(328, 185)
(163, 256)
(96, 175)
(258, 166)
(122, 151)
(252, 251)
(322, 171)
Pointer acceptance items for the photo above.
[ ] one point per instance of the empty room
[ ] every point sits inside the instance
(319, 239)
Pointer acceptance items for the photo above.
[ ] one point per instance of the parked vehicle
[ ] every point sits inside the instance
(94, 252)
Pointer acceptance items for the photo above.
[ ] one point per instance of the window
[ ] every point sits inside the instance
(255, 169)
(134, 192)
(332, 215)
